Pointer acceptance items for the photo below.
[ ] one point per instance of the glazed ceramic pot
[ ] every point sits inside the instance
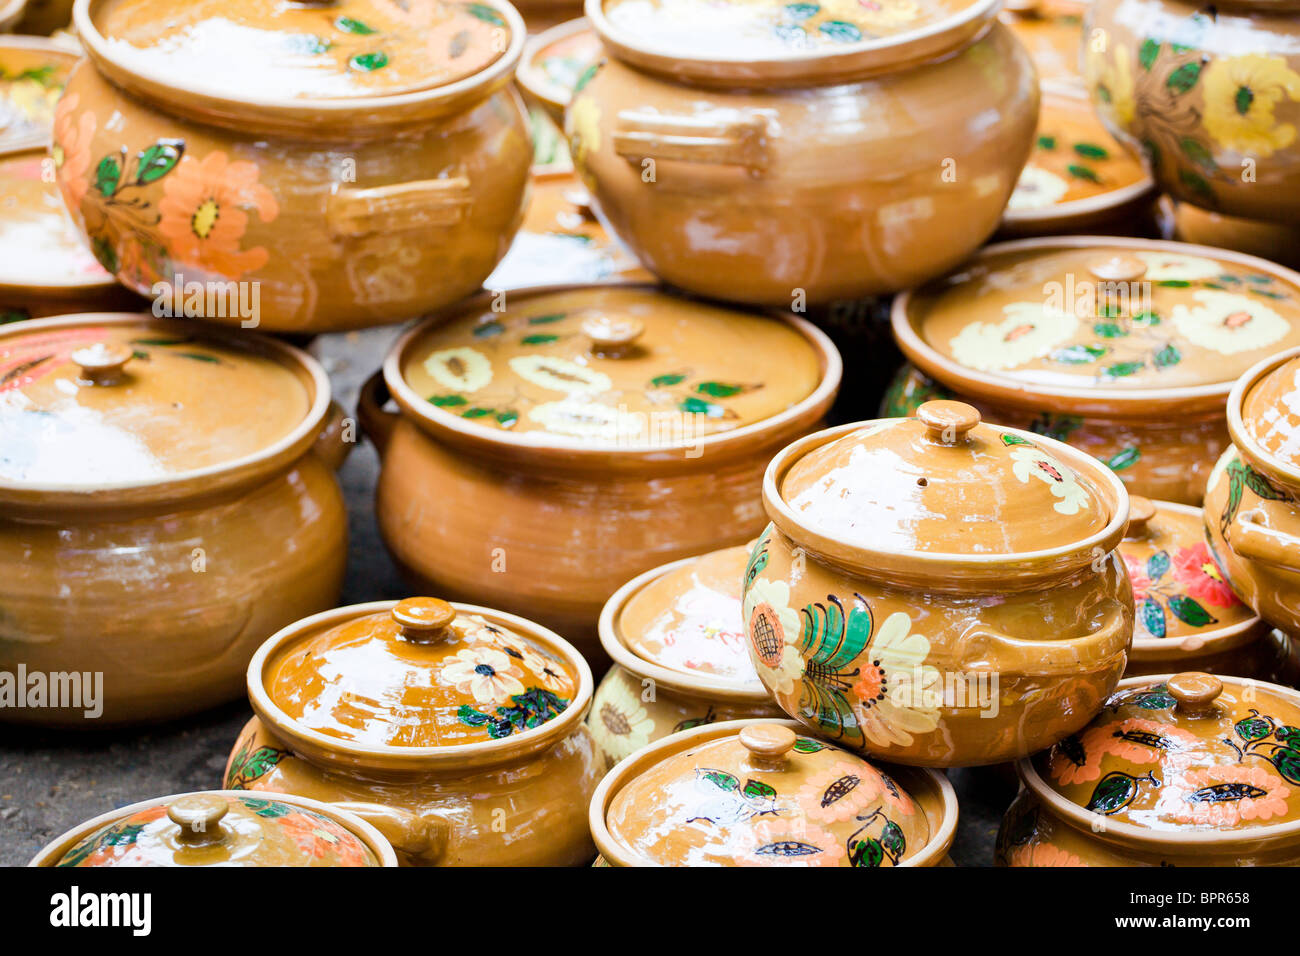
(757, 793)
(167, 500)
(1252, 500)
(1210, 94)
(221, 828)
(1178, 770)
(540, 15)
(1051, 30)
(43, 17)
(384, 177)
(785, 154)
(677, 638)
(555, 61)
(456, 730)
(1124, 348)
(1255, 237)
(543, 455)
(11, 11)
(939, 591)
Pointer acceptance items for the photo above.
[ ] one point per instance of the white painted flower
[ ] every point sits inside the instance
(1029, 331)
(1037, 188)
(1032, 461)
(560, 375)
(545, 670)
(585, 419)
(896, 694)
(618, 720)
(462, 369)
(484, 672)
(1228, 323)
(1173, 267)
(773, 628)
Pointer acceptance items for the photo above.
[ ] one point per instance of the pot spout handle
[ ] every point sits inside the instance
(336, 438)
(352, 213)
(1014, 655)
(738, 142)
(420, 837)
(1255, 541)
(375, 422)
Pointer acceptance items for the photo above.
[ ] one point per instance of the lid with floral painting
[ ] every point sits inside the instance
(1264, 421)
(1189, 751)
(1104, 322)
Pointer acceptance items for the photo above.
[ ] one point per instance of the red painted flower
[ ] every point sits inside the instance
(1137, 576)
(1197, 572)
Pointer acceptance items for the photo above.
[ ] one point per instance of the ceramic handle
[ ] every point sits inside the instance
(375, 422)
(1015, 655)
(1255, 542)
(332, 446)
(641, 135)
(352, 213)
(421, 837)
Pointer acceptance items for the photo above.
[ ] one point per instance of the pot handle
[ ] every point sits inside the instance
(693, 139)
(1256, 542)
(375, 422)
(332, 444)
(422, 837)
(352, 212)
(1048, 658)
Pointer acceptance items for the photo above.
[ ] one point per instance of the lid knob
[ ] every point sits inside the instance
(1118, 268)
(423, 619)
(1140, 511)
(768, 744)
(1195, 691)
(612, 335)
(948, 422)
(102, 363)
(199, 817)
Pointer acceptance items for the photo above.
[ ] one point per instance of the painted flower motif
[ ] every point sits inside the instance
(549, 673)
(1224, 795)
(309, 835)
(1228, 323)
(774, 631)
(786, 842)
(1241, 94)
(586, 419)
(1078, 759)
(839, 792)
(618, 720)
(1032, 461)
(1196, 571)
(71, 149)
(561, 375)
(205, 210)
(1170, 266)
(1042, 854)
(582, 124)
(1029, 331)
(897, 694)
(1111, 79)
(1037, 188)
(488, 675)
(461, 369)
(1137, 576)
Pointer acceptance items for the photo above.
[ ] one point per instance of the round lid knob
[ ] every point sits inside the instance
(1140, 512)
(948, 422)
(1118, 268)
(612, 335)
(1195, 691)
(102, 363)
(423, 619)
(199, 817)
(768, 744)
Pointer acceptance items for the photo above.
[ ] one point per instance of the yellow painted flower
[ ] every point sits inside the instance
(896, 694)
(618, 720)
(1241, 94)
(1111, 79)
(1164, 266)
(485, 673)
(773, 628)
(1037, 188)
(1029, 331)
(1032, 462)
(461, 369)
(587, 419)
(1228, 323)
(561, 375)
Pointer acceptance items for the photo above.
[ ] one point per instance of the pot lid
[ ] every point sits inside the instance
(1038, 319)
(624, 366)
(1052, 32)
(944, 482)
(313, 50)
(95, 400)
(32, 74)
(215, 829)
(423, 674)
(1178, 589)
(1190, 752)
(559, 60)
(1270, 413)
(765, 796)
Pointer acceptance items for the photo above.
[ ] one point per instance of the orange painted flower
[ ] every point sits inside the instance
(71, 149)
(1224, 795)
(839, 792)
(205, 214)
(1042, 854)
(775, 842)
(1139, 741)
(1197, 572)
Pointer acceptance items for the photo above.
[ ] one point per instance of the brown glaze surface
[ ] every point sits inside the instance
(1270, 412)
(39, 245)
(556, 62)
(1052, 32)
(1268, 240)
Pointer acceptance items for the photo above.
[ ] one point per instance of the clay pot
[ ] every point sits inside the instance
(43, 17)
(470, 751)
(1268, 240)
(1210, 96)
(1178, 770)
(11, 11)
(540, 15)
(1052, 31)
(545, 454)
(555, 61)
(757, 171)
(756, 793)
(198, 466)
(677, 638)
(381, 184)
(221, 828)
(896, 604)
(1124, 348)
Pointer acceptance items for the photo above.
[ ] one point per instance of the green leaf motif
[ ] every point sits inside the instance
(1152, 616)
(1125, 458)
(1189, 611)
(1184, 78)
(806, 745)
(728, 782)
(485, 13)
(1010, 439)
(698, 406)
(488, 329)
(349, 25)
(841, 31)
(1078, 354)
(507, 419)
(260, 762)
(663, 381)
(1079, 171)
(1243, 100)
(1158, 565)
(1145, 320)
(1148, 52)
(107, 175)
(539, 339)
(1197, 153)
(801, 11)
(1113, 792)
(1091, 151)
(369, 62)
(893, 841)
(1168, 356)
(1157, 698)
(1254, 728)
(866, 853)
(1047, 142)
(1287, 762)
(1195, 182)
(1123, 369)
(448, 401)
(476, 412)
(1260, 485)
(758, 790)
(546, 319)
(1288, 735)
(587, 75)
(1108, 330)
(158, 160)
(720, 389)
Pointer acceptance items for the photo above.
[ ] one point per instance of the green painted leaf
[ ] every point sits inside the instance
(478, 411)
(1158, 565)
(1145, 320)
(1287, 762)
(539, 339)
(349, 25)
(587, 75)
(720, 779)
(473, 718)
(1288, 735)
(1125, 458)
(1157, 698)
(1184, 78)
(307, 43)
(1260, 485)
(1196, 183)
(1078, 354)
(1152, 616)
(488, 329)
(1189, 611)
(801, 11)
(841, 31)
(448, 401)
(369, 62)
(200, 357)
(158, 160)
(546, 319)
(1010, 439)
(266, 808)
(806, 745)
(107, 175)
(892, 839)
(1079, 171)
(1108, 330)
(1123, 369)
(485, 13)
(1197, 153)
(866, 853)
(1047, 142)
(507, 419)
(1113, 792)
(1167, 356)
(663, 381)
(1243, 100)
(698, 406)
(720, 389)
(1255, 728)
(758, 790)
(1148, 52)
(261, 762)
(1091, 151)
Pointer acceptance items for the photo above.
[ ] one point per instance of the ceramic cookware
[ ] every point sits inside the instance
(1276, 241)
(555, 62)
(1052, 32)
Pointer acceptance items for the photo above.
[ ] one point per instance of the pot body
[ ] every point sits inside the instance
(531, 811)
(167, 605)
(1277, 242)
(331, 231)
(826, 192)
(1265, 654)
(1166, 457)
(1211, 98)
(929, 677)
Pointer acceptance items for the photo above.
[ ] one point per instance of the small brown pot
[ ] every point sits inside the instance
(554, 62)
(1276, 241)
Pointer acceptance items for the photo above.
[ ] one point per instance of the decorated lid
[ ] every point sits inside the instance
(32, 74)
(1178, 590)
(1190, 752)
(626, 366)
(224, 829)
(1270, 413)
(558, 61)
(421, 674)
(313, 50)
(125, 399)
(1052, 32)
(765, 796)
(946, 483)
(1099, 318)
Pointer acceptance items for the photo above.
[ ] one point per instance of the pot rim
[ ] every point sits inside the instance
(1247, 447)
(196, 481)
(701, 685)
(50, 854)
(1016, 394)
(440, 424)
(333, 752)
(531, 79)
(927, 568)
(1143, 837)
(37, 139)
(932, 853)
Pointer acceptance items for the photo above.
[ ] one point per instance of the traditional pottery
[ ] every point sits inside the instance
(1211, 95)
(168, 499)
(555, 62)
(1124, 348)
(677, 638)
(1178, 770)
(221, 828)
(1275, 241)
(1052, 32)
(545, 454)
(383, 178)
(43, 17)
(783, 155)
(540, 15)
(456, 730)
(939, 591)
(756, 793)
(11, 11)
